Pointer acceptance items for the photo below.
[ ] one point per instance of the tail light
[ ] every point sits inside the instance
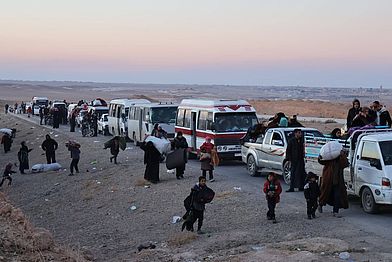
(385, 182)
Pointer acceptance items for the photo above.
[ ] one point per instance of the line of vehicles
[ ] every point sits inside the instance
(226, 121)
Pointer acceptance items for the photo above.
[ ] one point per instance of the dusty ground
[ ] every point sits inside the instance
(92, 211)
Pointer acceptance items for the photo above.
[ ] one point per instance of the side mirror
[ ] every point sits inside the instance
(376, 163)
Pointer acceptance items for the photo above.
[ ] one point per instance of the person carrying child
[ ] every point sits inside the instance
(7, 174)
(272, 190)
(311, 192)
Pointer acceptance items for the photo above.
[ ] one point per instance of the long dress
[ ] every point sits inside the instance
(295, 153)
(333, 177)
(152, 158)
(23, 157)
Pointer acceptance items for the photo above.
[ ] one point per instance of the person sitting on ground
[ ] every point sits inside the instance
(7, 174)
(312, 193)
(272, 190)
(383, 118)
(353, 112)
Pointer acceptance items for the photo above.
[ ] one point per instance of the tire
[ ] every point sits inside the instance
(367, 201)
(251, 166)
(286, 174)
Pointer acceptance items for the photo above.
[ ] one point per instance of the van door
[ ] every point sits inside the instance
(364, 173)
(193, 130)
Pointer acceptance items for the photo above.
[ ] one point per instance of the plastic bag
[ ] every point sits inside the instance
(331, 150)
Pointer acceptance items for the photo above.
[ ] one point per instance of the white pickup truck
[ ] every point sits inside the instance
(368, 176)
(269, 152)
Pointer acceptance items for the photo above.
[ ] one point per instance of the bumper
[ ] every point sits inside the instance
(384, 198)
(230, 155)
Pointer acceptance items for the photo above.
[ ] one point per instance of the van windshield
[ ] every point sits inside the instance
(234, 122)
(164, 115)
(386, 151)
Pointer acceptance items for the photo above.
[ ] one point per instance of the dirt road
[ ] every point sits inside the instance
(93, 210)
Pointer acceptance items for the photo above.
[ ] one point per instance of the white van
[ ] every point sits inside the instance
(37, 103)
(118, 114)
(225, 121)
(143, 117)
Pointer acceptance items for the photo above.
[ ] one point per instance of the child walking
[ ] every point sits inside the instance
(311, 192)
(73, 147)
(7, 174)
(272, 190)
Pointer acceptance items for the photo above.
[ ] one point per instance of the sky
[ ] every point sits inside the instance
(342, 43)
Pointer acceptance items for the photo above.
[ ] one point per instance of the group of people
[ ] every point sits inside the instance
(375, 115)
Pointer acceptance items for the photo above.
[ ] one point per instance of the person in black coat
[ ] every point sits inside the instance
(180, 143)
(41, 115)
(353, 112)
(56, 117)
(23, 157)
(295, 155)
(152, 158)
(6, 140)
(50, 146)
(293, 122)
(312, 193)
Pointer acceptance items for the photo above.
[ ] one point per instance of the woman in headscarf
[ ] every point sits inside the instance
(180, 142)
(152, 157)
(353, 112)
(205, 158)
(23, 157)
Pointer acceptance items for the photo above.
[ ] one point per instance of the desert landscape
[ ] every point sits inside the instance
(108, 211)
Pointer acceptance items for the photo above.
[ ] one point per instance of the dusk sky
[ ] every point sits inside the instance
(344, 43)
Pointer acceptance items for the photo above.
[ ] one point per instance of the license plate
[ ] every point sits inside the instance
(237, 154)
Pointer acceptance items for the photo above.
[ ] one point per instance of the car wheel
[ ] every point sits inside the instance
(251, 166)
(367, 200)
(287, 172)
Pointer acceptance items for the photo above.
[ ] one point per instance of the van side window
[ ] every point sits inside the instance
(268, 138)
(370, 151)
(137, 113)
(202, 123)
(180, 117)
(187, 118)
(209, 120)
(131, 113)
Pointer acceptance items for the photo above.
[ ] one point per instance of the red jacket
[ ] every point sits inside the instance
(206, 147)
(278, 189)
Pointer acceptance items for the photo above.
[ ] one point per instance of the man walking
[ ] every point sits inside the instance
(50, 146)
(295, 155)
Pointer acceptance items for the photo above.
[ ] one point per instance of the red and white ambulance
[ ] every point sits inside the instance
(225, 121)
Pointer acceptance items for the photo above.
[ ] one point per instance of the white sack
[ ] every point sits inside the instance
(163, 145)
(45, 167)
(331, 150)
(6, 131)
